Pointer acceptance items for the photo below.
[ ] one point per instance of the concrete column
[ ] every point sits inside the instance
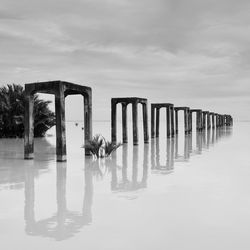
(176, 121)
(157, 121)
(172, 121)
(203, 120)
(124, 123)
(28, 126)
(152, 121)
(135, 122)
(197, 121)
(190, 121)
(168, 121)
(208, 121)
(213, 125)
(88, 120)
(113, 121)
(60, 125)
(186, 121)
(145, 122)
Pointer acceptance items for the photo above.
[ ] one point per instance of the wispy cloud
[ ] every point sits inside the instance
(192, 52)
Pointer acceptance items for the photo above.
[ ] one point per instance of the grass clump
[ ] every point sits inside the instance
(100, 147)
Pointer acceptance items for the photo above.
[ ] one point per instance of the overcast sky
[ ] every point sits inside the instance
(189, 52)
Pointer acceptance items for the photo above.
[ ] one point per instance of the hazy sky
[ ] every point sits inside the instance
(189, 52)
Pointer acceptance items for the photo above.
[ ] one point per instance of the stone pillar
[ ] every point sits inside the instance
(197, 121)
(157, 122)
(88, 120)
(190, 121)
(124, 123)
(135, 122)
(168, 121)
(213, 125)
(172, 121)
(208, 121)
(145, 122)
(176, 121)
(203, 120)
(29, 126)
(60, 125)
(186, 121)
(152, 121)
(113, 121)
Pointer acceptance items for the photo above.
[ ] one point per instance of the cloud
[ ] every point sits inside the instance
(188, 52)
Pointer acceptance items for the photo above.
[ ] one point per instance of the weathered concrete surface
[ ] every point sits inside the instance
(155, 108)
(124, 101)
(186, 110)
(61, 90)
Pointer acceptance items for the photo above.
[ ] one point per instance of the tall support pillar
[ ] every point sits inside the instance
(145, 121)
(124, 123)
(176, 121)
(29, 126)
(152, 121)
(60, 125)
(203, 120)
(200, 121)
(157, 121)
(213, 125)
(190, 121)
(135, 122)
(197, 121)
(168, 122)
(186, 121)
(172, 121)
(88, 120)
(113, 121)
(208, 121)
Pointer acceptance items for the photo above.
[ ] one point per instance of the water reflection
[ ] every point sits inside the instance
(126, 183)
(65, 223)
(173, 147)
(13, 167)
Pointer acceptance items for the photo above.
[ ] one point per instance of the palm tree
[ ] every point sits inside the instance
(12, 113)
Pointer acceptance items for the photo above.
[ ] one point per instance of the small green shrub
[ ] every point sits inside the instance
(100, 147)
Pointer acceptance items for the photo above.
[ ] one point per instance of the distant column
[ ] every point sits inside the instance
(213, 121)
(208, 121)
(157, 121)
(176, 121)
(113, 121)
(145, 121)
(168, 121)
(186, 121)
(124, 123)
(152, 121)
(172, 121)
(135, 122)
(203, 120)
(190, 121)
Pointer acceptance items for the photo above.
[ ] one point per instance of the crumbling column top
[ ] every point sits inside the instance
(50, 87)
(181, 108)
(162, 105)
(128, 100)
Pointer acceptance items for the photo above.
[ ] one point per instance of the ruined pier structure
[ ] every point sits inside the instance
(204, 119)
(60, 90)
(155, 119)
(124, 102)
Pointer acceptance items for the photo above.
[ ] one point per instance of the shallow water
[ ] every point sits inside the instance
(191, 192)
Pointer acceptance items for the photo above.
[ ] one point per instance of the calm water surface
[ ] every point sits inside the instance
(189, 192)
